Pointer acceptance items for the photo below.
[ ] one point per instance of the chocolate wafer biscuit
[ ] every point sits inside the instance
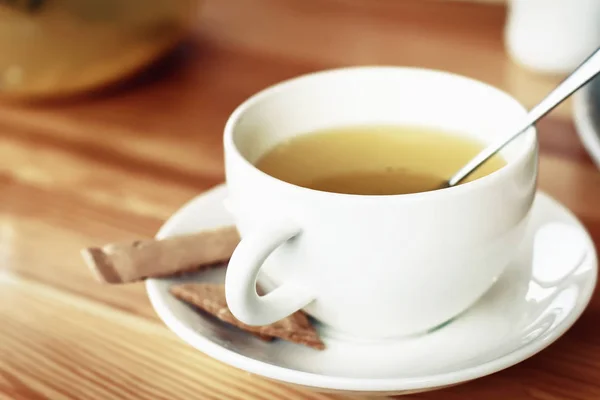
(210, 298)
(129, 262)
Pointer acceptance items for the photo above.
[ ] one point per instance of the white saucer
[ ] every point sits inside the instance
(536, 300)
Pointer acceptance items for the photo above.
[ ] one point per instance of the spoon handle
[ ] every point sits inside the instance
(582, 75)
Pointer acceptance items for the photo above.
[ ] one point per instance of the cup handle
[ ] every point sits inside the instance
(242, 272)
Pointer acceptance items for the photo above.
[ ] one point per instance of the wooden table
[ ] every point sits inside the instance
(115, 165)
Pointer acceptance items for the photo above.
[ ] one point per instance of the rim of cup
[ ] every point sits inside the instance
(529, 146)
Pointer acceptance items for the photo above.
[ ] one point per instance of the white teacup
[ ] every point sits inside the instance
(373, 266)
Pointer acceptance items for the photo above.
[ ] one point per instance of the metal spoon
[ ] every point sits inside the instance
(582, 75)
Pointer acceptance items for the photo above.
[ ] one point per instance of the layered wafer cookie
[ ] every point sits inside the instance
(210, 298)
(130, 262)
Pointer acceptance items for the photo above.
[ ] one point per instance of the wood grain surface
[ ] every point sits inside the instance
(115, 164)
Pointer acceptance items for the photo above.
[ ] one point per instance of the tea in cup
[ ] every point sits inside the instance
(332, 185)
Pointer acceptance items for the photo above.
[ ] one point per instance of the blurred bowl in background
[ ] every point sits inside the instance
(552, 36)
(52, 48)
(586, 108)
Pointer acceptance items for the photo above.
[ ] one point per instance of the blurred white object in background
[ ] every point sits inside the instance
(586, 115)
(552, 36)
